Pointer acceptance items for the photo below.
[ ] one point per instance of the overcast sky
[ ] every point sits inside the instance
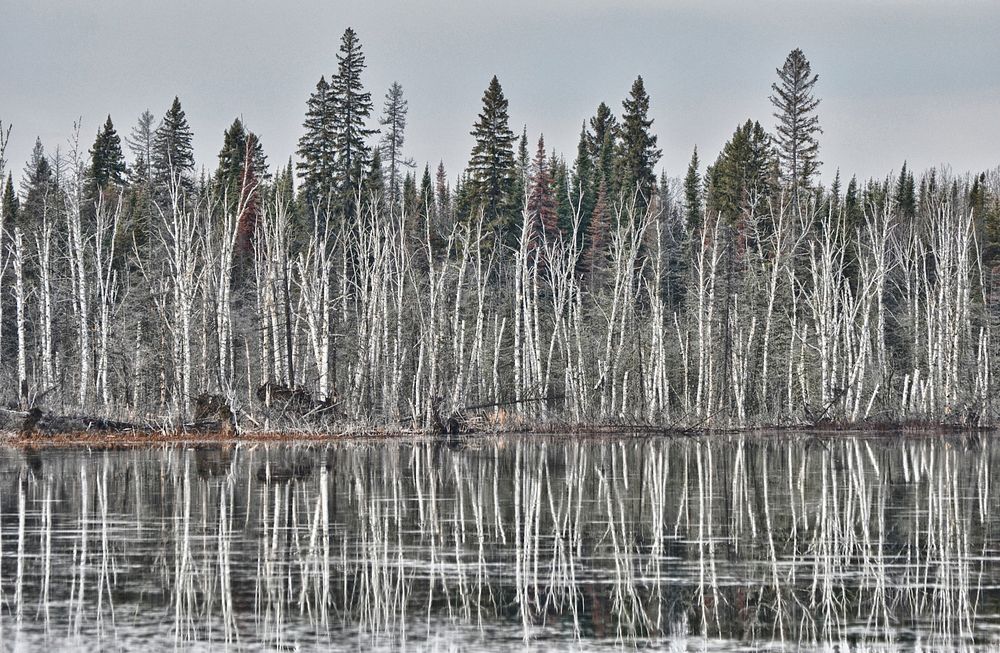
(918, 81)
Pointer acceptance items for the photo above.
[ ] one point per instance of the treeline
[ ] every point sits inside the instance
(591, 291)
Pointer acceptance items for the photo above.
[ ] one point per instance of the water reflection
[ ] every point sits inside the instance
(848, 543)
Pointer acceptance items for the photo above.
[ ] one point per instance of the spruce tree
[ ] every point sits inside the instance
(107, 165)
(10, 205)
(522, 173)
(491, 167)
(595, 251)
(797, 127)
(693, 193)
(229, 176)
(741, 176)
(637, 153)
(542, 208)
(40, 188)
(583, 191)
(393, 123)
(905, 194)
(604, 128)
(317, 150)
(443, 213)
(352, 109)
(173, 155)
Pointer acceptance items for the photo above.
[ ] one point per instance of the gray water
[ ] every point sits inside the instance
(880, 543)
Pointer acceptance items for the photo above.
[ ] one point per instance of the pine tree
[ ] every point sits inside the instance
(491, 167)
(352, 109)
(693, 193)
(107, 164)
(317, 151)
(637, 153)
(173, 155)
(797, 127)
(140, 143)
(393, 122)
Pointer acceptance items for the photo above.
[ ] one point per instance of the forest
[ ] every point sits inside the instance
(351, 288)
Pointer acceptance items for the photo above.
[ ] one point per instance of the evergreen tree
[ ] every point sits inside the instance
(411, 199)
(352, 109)
(140, 143)
(442, 195)
(693, 193)
(9, 206)
(40, 188)
(597, 234)
(374, 182)
(560, 193)
(173, 155)
(522, 174)
(604, 128)
(797, 127)
(741, 176)
(427, 206)
(491, 167)
(637, 153)
(317, 151)
(583, 191)
(393, 122)
(905, 195)
(229, 176)
(107, 164)
(541, 200)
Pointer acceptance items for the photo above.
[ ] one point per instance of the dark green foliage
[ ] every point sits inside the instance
(603, 137)
(583, 190)
(173, 155)
(442, 196)
(229, 176)
(374, 182)
(795, 133)
(905, 194)
(9, 205)
(352, 109)
(317, 152)
(637, 154)
(693, 193)
(742, 176)
(491, 167)
(107, 165)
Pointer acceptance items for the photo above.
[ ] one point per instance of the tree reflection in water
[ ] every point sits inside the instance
(857, 543)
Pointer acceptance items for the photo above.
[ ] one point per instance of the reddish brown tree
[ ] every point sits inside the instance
(542, 208)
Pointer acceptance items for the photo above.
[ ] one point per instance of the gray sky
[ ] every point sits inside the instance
(901, 80)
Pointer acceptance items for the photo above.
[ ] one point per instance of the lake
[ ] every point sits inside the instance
(515, 542)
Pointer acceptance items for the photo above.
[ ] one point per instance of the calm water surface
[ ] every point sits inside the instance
(511, 543)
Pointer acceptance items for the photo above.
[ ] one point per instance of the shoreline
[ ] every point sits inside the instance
(140, 438)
